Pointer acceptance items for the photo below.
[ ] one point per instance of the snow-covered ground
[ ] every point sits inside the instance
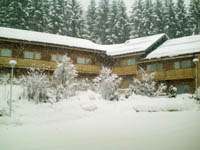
(87, 122)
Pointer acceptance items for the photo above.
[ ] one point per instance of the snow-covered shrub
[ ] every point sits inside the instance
(64, 78)
(172, 91)
(197, 94)
(146, 86)
(83, 84)
(35, 84)
(107, 84)
(4, 79)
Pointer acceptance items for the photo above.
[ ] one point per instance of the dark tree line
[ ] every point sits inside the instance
(106, 22)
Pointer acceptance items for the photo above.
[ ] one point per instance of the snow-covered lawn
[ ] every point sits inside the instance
(87, 122)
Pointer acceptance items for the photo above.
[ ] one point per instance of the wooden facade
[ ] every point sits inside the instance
(170, 70)
(87, 62)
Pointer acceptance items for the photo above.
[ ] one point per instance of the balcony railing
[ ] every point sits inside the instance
(46, 65)
(174, 74)
(125, 70)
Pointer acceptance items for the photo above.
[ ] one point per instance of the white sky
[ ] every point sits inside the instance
(128, 3)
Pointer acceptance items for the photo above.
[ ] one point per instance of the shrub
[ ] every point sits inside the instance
(107, 84)
(35, 85)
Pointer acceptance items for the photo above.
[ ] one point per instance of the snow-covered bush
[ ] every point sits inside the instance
(197, 94)
(172, 91)
(146, 86)
(4, 79)
(36, 84)
(64, 78)
(107, 84)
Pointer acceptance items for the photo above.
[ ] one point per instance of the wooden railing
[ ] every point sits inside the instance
(126, 70)
(174, 74)
(47, 65)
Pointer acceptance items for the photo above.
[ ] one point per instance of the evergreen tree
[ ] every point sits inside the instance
(15, 14)
(194, 15)
(76, 22)
(56, 17)
(170, 17)
(91, 20)
(118, 23)
(38, 15)
(113, 19)
(159, 17)
(102, 21)
(148, 26)
(182, 28)
(137, 19)
(123, 23)
(3, 12)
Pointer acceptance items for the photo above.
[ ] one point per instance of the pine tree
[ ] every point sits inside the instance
(123, 25)
(3, 12)
(182, 28)
(38, 15)
(148, 26)
(137, 19)
(113, 19)
(16, 14)
(102, 25)
(170, 17)
(194, 15)
(56, 17)
(90, 21)
(76, 22)
(159, 19)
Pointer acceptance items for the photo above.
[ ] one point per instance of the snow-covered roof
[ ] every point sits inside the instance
(130, 46)
(133, 46)
(176, 47)
(40, 37)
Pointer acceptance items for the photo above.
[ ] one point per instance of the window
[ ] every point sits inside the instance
(28, 55)
(176, 65)
(186, 64)
(53, 57)
(131, 61)
(60, 58)
(123, 62)
(183, 89)
(81, 60)
(6, 52)
(88, 61)
(37, 56)
(151, 68)
(159, 67)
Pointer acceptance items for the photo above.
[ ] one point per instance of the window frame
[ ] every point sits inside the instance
(152, 69)
(132, 60)
(178, 63)
(5, 49)
(29, 53)
(185, 66)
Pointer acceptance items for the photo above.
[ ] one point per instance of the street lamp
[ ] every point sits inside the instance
(195, 61)
(12, 64)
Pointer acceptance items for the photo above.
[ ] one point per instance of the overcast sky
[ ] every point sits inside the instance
(128, 3)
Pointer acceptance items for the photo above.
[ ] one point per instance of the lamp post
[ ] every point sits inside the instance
(195, 61)
(12, 64)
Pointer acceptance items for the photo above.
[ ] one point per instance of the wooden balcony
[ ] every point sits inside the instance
(126, 70)
(46, 65)
(175, 74)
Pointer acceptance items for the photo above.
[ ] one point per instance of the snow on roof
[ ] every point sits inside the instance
(176, 47)
(132, 46)
(40, 37)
